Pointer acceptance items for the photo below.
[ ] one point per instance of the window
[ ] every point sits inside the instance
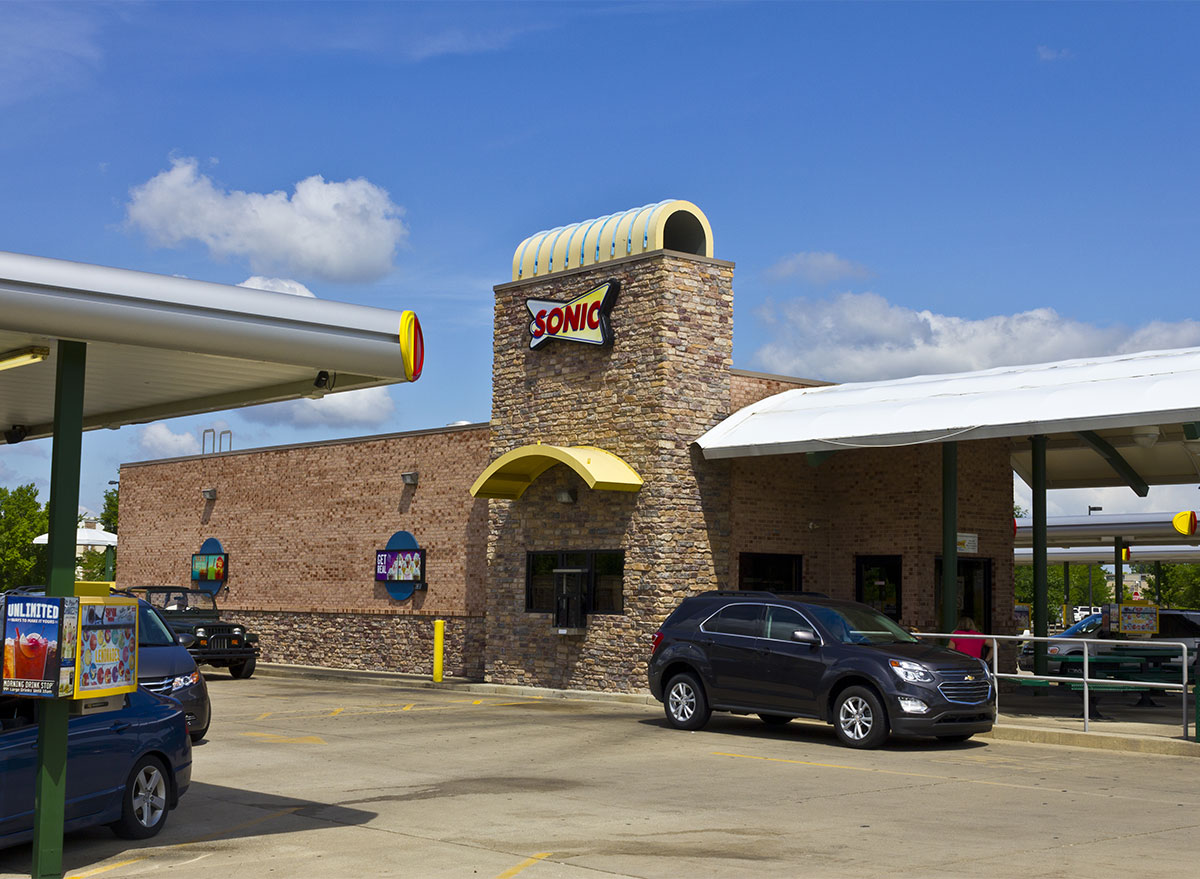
(604, 581)
(770, 572)
(783, 621)
(878, 583)
(737, 619)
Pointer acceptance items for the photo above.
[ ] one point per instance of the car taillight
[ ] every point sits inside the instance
(658, 638)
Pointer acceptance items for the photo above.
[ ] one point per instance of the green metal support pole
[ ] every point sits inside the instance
(1119, 569)
(110, 563)
(1158, 583)
(949, 536)
(51, 784)
(1040, 591)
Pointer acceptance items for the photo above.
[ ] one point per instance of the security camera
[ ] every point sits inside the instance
(322, 380)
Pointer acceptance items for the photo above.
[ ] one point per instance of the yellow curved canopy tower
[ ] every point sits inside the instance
(508, 476)
(669, 225)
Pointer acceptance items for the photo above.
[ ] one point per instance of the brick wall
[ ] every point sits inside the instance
(301, 525)
(878, 502)
(663, 382)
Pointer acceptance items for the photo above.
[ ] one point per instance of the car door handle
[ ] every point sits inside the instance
(120, 727)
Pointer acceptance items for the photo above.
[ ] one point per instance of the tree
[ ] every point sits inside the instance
(22, 518)
(1180, 586)
(108, 518)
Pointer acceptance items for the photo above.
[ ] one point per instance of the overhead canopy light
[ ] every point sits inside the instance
(23, 357)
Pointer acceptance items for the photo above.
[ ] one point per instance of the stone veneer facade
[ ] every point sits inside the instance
(301, 525)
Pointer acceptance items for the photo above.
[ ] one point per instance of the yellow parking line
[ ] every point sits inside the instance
(265, 715)
(99, 870)
(528, 862)
(408, 707)
(335, 712)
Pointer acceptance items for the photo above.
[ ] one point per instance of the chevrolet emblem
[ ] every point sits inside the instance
(969, 678)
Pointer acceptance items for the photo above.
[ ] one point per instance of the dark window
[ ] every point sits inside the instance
(539, 586)
(783, 621)
(877, 583)
(738, 619)
(604, 585)
(1177, 625)
(770, 572)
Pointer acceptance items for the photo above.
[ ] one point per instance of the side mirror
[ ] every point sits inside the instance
(183, 639)
(806, 636)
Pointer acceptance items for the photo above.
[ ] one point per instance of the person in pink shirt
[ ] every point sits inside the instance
(977, 647)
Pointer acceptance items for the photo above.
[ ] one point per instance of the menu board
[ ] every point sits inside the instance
(1139, 619)
(107, 661)
(32, 630)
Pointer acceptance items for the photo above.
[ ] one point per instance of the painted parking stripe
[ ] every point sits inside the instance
(528, 862)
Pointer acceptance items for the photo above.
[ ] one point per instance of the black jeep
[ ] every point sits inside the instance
(194, 612)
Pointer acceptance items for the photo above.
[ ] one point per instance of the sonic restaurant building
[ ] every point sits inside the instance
(558, 536)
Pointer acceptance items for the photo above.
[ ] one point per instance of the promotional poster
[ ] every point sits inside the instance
(404, 565)
(107, 649)
(32, 629)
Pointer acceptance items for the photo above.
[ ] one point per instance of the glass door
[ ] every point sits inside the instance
(877, 583)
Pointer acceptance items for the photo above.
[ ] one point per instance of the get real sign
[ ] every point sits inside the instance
(582, 319)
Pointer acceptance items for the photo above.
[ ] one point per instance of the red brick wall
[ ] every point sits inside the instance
(877, 502)
(301, 525)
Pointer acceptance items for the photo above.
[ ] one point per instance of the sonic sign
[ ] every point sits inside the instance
(582, 319)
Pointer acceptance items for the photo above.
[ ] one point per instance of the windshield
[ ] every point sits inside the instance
(152, 631)
(859, 624)
(182, 601)
(1085, 626)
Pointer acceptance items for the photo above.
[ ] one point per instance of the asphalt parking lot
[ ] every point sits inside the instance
(315, 778)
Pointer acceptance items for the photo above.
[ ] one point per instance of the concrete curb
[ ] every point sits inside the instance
(1130, 744)
(1006, 732)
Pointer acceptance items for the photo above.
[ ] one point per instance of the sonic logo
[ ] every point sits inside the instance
(582, 319)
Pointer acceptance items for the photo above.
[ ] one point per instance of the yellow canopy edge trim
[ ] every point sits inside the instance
(509, 475)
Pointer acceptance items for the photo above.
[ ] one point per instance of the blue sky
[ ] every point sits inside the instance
(905, 188)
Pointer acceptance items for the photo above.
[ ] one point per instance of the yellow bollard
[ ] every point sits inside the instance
(439, 647)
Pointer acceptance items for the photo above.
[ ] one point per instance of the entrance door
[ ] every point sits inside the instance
(570, 594)
(877, 583)
(974, 590)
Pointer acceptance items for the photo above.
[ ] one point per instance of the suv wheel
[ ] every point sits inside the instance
(859, 718)
(685, 704)
(242, 670)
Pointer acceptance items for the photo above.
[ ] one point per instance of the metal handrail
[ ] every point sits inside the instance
(1086, 679)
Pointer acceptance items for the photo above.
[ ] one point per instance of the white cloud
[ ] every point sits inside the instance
(861, 336)
(277, 285)
(158, 441)
(1045, 53)
(817, 268)
(369, 407)
(45, 47)
(346, 231)
(1117, 500)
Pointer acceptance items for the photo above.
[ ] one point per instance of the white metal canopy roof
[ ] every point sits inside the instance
(161, 346)
(1073, 401)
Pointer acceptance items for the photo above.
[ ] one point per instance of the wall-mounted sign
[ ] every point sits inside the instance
(582, 319)
(968, 542)
(210, 567)
(400, 567)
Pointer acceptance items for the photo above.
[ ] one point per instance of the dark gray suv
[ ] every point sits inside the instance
(809, 656)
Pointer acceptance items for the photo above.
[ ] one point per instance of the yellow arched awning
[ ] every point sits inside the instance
(509, 475)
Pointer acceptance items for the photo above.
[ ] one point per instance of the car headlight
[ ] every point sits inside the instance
(200, 633)
(185, 681)
(913, 672)
(238, 630)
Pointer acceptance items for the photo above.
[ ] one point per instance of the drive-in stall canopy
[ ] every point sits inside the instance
(84, 346)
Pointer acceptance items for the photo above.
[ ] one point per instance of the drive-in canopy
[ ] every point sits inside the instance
(160, 346)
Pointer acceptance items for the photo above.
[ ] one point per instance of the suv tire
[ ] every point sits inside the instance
(859, 718)
(685, 704)
(243, 670)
